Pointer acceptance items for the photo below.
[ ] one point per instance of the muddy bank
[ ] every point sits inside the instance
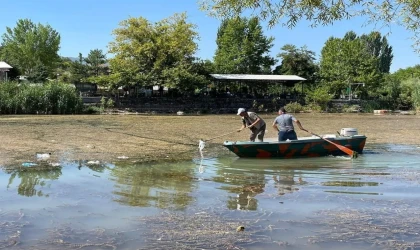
(147, 138)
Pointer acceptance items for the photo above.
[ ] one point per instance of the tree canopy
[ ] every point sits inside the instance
(378, 47)
(405, 13)
(242, 47)
(410, 72)
(297, 61)
(153, 53)
(31, 47)
(95, 61)
(347, 60)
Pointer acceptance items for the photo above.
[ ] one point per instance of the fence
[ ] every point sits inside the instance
(203, 104)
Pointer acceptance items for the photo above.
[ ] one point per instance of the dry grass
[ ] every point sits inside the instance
(152, 137)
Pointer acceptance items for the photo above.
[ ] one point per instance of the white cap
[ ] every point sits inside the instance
(240, 110)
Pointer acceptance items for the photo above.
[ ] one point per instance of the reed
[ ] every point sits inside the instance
(48, 98)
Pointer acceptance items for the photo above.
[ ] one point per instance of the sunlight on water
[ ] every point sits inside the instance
(318, 203)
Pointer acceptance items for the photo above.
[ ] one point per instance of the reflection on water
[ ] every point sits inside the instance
(162, 186)
(288, 181)
(95, 166)
(32, 181)
(288, 203)
(350, 183)
(246, 185)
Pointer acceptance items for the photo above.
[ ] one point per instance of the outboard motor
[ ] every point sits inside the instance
(348, 131)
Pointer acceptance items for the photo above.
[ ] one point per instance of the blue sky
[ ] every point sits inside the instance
(87, 24)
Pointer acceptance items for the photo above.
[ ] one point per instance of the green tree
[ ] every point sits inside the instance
(297, 61)
(379, 48)
(318, 98)
(63, 71)
(289, 12)
(195, 76)
(345, 61)
(152, 53)
(407, 73)
(79, 70)
(95, 62)
(410, 93)
(350, 36)
(242, 47)
(29, 46)
(390, 92)
(39, 74)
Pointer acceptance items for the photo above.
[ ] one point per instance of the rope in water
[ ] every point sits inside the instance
(220, 136)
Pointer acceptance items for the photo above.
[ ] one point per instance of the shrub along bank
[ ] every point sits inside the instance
(48, 98)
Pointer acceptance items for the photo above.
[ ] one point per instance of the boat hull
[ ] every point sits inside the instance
(312, 147)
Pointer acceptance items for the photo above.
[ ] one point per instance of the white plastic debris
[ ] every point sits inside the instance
(43, 156)
(93, 163)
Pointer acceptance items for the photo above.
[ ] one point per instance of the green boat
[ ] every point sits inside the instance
(303, 147)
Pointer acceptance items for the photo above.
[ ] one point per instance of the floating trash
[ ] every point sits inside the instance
(43, 156)
(93, 163)
(122, 157)
(29, 164)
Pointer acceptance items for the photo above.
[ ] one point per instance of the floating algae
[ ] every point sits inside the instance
(392, 225)
(11, 225)
(68, 238)
(202, 230)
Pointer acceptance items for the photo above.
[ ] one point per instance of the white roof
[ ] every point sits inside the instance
(258, 77)
(4, 65)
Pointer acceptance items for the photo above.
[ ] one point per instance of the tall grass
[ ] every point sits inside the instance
(49, 98)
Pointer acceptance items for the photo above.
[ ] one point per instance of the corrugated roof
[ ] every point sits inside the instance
(4, 65)
(258, 77)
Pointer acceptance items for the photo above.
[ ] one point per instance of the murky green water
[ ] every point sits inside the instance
(323, 203)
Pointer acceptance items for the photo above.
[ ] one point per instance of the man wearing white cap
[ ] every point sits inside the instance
(252, 121)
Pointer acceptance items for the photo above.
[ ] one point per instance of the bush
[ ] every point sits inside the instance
(106, 103)
(311, 107)
(50, 98)
(370, 105)
(411, 92)
(294, 107)
(319, 96)
(91, 110)
(351, 108)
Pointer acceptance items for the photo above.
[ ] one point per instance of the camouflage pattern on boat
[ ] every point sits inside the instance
(304, 147)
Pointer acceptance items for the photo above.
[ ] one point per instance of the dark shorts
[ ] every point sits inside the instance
(284, 135)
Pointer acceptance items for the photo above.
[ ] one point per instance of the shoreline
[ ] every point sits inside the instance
(150, 138)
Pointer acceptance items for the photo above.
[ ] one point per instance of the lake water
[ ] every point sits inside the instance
(319, 203)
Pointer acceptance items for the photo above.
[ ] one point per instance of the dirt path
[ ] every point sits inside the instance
(147, 138)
